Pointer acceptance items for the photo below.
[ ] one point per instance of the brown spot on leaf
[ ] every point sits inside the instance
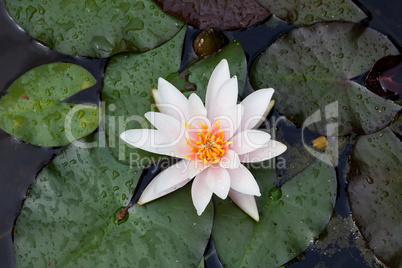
(24, 97)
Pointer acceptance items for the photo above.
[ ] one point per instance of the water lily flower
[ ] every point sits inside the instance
(212, 140)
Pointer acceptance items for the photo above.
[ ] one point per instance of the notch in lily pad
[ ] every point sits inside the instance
(33, 110)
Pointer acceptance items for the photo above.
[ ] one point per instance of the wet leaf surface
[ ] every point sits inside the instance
(33, 112)
(68, 217)
(216, 14)
(290, 218)
(304, 12)
(375, 193)
(94, 28)
(311, 69)
(129, 79)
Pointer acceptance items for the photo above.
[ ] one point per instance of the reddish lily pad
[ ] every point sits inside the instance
(375, 193)
(380, 78)
(304, 12)
(219, 15)
(311, 70)
(94, 28)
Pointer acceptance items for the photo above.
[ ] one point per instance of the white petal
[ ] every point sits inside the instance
(167, 125)
(195, 167)
(230, 160)
(230, 120)
(243, 181)
(256, 108)
(218, 180)
(248, 141)
(180, 148)
(145, 139)
(220, 74)
(154, 141)
(170, 100)
(200, 192)
(169, 180)
(246, 203)
(224, 99)
(195, 107)
(270, 150)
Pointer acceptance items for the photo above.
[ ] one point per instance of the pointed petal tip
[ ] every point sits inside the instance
(161, 80)
(257, 219)
(223, 62)
(141, 203)
(123, 136)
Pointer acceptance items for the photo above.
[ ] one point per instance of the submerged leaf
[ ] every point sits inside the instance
(94, 28)
(216, 14)
(304, 12)
(375, 193)
(311, 70)
(290, 218)
(208, 42)
(68, 217)
(33, 112)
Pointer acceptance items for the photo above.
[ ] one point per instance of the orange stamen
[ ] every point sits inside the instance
(210, 145)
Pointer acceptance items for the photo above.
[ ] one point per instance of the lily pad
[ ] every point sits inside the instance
(94, 28)
(126, 92)
(375, 193)
(129, 79)
(304, 12)
(290, 218)
(219, 15)
(33, 110)
(312, 69)
(68, 217)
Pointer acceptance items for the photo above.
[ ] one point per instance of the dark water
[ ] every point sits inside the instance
(20, 162)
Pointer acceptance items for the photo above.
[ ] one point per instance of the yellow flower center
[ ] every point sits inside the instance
(210, 145)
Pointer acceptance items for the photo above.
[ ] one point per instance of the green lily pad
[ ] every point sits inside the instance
(92, 27)
(129, 79)
(220, 15)
(311, 70)
(126, 92)
(33, 112)
(68, 218)
(290, 218)
(375, 193)
(304, 12)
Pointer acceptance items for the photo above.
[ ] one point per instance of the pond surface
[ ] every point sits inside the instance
(339, 246)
